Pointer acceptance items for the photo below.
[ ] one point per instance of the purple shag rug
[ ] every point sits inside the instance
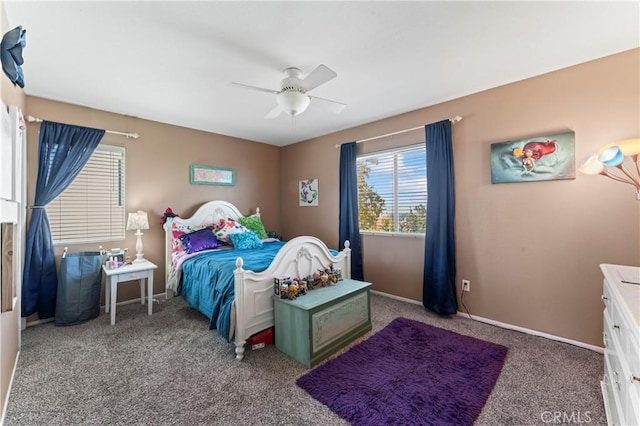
(409, 373)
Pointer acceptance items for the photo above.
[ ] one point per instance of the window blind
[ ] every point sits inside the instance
(92, 207)
(392, 190)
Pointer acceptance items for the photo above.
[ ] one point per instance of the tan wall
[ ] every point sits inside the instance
(157, 174)
(530, 250)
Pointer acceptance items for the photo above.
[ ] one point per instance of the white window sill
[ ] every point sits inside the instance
(392, 234)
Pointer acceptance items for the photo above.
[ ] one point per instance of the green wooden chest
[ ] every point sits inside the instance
(316, 325)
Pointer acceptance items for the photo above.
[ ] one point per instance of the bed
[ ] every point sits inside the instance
(234, 286)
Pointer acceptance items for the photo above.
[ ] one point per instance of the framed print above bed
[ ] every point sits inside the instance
(208, 175)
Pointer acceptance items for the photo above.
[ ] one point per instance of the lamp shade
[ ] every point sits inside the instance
(628, 147)
(137, 220)
(611, 156)
(591, 166)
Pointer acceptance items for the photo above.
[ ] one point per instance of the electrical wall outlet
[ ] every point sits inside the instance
(466, 285)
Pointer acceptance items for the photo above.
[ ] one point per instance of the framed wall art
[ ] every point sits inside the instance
(547, 157)
(308, 192)
(208, 175)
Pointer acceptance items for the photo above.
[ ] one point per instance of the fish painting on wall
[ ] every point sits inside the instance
(533, 159)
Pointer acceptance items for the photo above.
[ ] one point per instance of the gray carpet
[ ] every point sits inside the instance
(169, 369)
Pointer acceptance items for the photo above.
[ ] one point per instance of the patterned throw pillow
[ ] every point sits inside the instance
(199, 240)
(254, 223)
(245, 240)
(226, 227)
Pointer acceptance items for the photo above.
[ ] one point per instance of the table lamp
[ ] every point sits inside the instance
(138, 221)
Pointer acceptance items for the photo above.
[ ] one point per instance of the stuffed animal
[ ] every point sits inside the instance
(324, 280)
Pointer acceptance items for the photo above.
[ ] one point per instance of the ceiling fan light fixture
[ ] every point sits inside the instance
(292, 97)
(293, 102)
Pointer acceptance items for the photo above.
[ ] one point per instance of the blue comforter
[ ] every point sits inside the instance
(207, 280)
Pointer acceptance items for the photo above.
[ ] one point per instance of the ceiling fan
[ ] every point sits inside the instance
(292, 98)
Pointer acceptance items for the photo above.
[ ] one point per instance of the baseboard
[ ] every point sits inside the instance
(156, 297)
(534, 332)
(503, 325)
(38, 322)
(393, 296)
(6, 399)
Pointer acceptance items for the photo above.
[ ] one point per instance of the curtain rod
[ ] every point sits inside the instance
(31, 119)
(453, 120)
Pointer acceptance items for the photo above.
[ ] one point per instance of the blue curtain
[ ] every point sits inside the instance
(63, 151)
(349, 228)
(439, 284)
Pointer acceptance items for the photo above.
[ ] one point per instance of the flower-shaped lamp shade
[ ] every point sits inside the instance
(609, 161)
(629, 147)
(137, 220)
(591, 166)
(611, 156)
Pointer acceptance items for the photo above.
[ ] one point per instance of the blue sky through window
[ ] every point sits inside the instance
(411, 183)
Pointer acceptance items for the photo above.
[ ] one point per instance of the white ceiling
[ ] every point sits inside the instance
(173, 61)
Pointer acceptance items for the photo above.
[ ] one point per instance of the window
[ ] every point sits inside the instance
(392, 191)
(92, 207)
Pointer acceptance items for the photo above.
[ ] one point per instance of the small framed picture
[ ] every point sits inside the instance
(208, 175)
(308, 192)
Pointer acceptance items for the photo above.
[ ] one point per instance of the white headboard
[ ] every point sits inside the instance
(206, 214)
(209, 213)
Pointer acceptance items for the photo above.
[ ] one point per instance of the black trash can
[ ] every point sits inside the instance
(79, 283)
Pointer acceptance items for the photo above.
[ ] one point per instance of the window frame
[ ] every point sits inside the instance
(395, 184)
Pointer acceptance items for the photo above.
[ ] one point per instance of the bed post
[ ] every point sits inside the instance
(347, 252)
(239, 337)
(167, 256)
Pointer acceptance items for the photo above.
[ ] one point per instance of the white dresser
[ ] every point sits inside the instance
(621, 382)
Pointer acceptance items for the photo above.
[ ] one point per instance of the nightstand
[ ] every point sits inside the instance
(140, 271)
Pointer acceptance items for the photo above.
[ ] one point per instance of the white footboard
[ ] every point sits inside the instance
(300, 257)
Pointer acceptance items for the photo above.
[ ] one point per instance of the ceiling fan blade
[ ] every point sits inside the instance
(333, 106)
(319, 76)
(274, 112)
(259, 89)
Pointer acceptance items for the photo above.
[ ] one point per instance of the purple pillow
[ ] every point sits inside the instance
(202, 239)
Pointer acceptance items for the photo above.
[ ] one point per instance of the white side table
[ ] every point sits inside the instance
(136, 271)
